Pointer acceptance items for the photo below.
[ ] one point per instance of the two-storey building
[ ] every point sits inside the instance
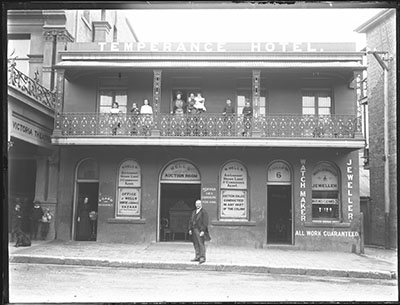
(34, 38)
(286, 174)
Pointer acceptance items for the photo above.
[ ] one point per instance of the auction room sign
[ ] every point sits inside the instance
(234, 176)
(180, 171)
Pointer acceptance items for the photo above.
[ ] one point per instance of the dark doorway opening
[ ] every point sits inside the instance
(177, 201)
(85, 224)
(279, 203)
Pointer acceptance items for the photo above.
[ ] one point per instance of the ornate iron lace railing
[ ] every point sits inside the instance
(30, 87)
(209, 125)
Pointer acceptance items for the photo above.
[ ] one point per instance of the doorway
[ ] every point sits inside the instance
(85, 222)
(177, 201)
(279, 201)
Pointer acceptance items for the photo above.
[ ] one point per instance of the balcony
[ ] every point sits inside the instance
(212, 129)
(31, 88)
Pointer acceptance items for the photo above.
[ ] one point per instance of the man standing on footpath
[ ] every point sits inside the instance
(199, 231)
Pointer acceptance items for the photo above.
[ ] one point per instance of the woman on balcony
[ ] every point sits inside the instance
(178, 104)
(115, 111)
(134, 117)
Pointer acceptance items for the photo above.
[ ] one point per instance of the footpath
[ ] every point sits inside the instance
(374, 264)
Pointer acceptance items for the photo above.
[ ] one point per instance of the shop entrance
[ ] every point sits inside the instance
(279, 202)
(85, 222)
(177, 201)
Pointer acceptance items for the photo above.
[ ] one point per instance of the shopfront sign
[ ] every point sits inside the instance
(30, 132)
(324, 179)
(234, 204)
(180, 171)
(303, 194)
(234, 176)
(129, 174)
(128, 202)
(350, 176)
(326, 233)
(199, 47)
(279, 172)
(209, 195)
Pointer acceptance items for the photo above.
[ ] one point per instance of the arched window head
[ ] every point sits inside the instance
(88, 170)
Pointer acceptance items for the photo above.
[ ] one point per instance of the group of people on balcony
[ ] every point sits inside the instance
(194, 104)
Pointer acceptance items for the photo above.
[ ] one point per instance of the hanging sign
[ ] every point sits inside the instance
(234, 176)
(279, 172)
(180, 171)
(128, 202)
(129, 174)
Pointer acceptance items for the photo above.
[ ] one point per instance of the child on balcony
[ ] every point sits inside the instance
(199, 103)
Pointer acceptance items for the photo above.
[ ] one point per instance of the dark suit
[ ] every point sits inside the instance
(198, 223)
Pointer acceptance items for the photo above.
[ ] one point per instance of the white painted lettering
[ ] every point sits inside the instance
(102, 44)
(128, 47)
(115, 46)
(255, 47)
(309, 49)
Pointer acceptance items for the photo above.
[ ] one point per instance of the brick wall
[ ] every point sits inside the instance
(382, 37)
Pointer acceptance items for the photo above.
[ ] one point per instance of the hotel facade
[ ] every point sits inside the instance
(287, 175)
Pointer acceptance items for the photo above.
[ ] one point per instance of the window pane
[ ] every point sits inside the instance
(262, 101)
(308, 111)
(241, 100)
(106, 98)
(324, 111)
(308, 101)
(262, 110)
(19, 48)
(324, 101)
(88, 170)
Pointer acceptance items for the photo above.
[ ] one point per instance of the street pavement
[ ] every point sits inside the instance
(375, 263)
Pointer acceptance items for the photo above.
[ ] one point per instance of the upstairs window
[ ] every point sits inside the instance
(18, 49)
(316, 102)
(108, 96)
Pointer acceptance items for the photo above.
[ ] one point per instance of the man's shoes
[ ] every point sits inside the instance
(202, 261)
(195, 260)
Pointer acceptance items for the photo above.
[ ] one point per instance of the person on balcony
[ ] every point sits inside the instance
(115, 111)
(199, 103)
(228, 112)
(135, 114)
(247, 117)
(146, 108)
(146, 112)
(178, 104)
(190, 104)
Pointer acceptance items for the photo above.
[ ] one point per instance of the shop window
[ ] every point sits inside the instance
(18, 50)
(316, 102)
(109, 96)
(129, 190)
(88, 170)
(243, 95)
(325, 192)
(234, 204)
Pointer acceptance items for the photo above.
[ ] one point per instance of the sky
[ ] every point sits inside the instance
(251, 25)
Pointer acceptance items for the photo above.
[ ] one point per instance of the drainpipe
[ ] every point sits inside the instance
(381, 57)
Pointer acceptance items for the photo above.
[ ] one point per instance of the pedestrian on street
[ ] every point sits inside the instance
(84, 225)
(35, 217)
(198, 229)
(16, 221)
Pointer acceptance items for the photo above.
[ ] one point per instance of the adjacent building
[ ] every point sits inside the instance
(382, 220)
(34, 39)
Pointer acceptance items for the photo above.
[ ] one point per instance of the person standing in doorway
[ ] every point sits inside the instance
(36, 217)
(45, 224)
(198, 229)
(84, 225)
